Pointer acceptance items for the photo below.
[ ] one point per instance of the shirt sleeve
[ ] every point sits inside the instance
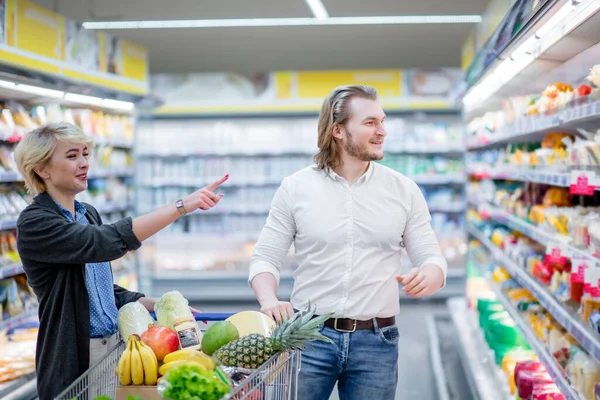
(276, 237)
(43, 236)
(419, 239)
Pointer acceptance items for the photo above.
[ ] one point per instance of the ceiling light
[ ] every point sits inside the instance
(40, 91)
(558, 26)
(261, 22)
(317, 8)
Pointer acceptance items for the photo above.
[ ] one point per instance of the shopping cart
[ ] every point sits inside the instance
(276, 379)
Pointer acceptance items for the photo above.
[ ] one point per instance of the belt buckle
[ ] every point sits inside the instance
(344, 330)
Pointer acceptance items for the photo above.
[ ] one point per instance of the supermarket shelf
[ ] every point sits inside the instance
(119, 143)
(107, 173)
(554, 178)
(10, 177)
(8, 225)
(440, 179)
(527, 129)
(479, 366)
(114, 208)
(571, 321)
(17, 320)
(532, 231)
(12, 390)
(303, 153)
(11, 270)
(101, 173)
(556, 372)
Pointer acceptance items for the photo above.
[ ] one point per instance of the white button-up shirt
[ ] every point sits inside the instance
(348, 239)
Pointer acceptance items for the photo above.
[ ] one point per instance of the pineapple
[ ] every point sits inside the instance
(253, 350)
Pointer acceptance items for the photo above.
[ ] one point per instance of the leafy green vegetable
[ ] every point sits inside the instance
(171, 306)
(103, 398)
(189, 382)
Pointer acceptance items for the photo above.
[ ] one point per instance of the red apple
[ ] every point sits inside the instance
(161, 340)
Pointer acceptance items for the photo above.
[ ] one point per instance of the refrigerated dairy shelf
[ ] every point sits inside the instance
(479, 365)
(585, 335)
(554, 178)
(11, 270)
(530, 128)
(532, 231)
(554, 370)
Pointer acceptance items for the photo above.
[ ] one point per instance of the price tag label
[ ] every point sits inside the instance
(583, 183)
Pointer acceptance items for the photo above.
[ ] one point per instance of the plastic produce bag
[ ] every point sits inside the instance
(133, 318)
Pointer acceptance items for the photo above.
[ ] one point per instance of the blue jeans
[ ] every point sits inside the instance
(364, 363)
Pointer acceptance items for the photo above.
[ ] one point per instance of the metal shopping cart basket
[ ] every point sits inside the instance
(276, 379)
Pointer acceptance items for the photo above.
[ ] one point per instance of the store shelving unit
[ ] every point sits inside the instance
(478, 361)
(532, 231)
(555, 371)
(573, 323)
(530, 50)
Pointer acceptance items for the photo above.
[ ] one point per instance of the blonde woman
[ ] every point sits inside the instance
(66, 253)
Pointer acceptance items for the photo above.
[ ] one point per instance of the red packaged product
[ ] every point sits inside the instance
(527, 365)
(547, 392)
(530, 381)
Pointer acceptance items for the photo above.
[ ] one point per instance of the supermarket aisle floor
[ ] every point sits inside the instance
(414, 347)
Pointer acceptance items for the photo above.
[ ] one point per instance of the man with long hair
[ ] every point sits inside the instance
(349, 219)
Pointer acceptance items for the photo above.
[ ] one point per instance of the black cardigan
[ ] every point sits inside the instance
(54, 252)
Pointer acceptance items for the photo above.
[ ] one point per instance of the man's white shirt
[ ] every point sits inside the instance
(348, 239)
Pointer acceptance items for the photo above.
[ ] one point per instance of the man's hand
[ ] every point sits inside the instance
(278, 310)
(422, 282)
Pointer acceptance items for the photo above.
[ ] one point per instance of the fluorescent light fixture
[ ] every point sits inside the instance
(7, 84)
(317, 8)
(40, 91)
(558, 26)
(79, 98)
(117, 104)
(262, 22)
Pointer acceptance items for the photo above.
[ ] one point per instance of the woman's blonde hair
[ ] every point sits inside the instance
(335, 112)
(36, 148)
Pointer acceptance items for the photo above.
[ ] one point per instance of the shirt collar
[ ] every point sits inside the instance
(80, 210)
(363, 178)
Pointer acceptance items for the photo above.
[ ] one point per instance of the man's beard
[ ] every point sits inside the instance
(359, 152)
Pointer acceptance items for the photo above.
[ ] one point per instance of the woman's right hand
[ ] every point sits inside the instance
(205, 198)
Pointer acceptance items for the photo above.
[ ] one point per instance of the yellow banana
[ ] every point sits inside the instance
(150, 364)
(124, 367)
(168, 366)
(178, 355)
(151, 352)
(137, 368)
(191, 355)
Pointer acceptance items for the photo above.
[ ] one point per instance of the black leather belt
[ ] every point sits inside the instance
(351, 325)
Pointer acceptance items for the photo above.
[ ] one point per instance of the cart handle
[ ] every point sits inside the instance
(206, 316)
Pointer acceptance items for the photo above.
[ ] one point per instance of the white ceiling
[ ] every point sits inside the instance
(280, 48)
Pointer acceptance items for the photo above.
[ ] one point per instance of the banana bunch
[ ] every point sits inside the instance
(186, 357)
(138, 364)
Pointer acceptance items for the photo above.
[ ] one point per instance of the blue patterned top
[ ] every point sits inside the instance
(99, 283)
